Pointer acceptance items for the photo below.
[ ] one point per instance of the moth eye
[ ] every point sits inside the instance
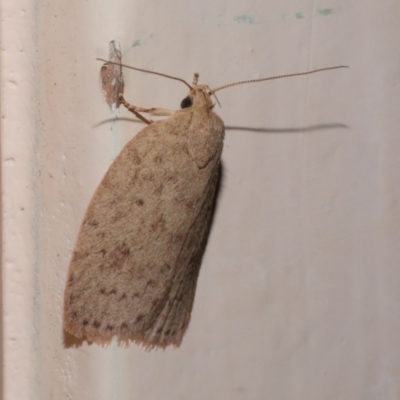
(186, 102)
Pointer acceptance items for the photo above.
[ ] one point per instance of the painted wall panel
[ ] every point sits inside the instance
(298, 292)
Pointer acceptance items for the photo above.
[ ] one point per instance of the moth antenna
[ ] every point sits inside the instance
(149, 72)
(276, 77)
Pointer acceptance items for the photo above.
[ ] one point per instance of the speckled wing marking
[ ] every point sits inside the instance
(134, 269)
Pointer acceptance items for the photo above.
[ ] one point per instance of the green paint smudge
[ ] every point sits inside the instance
(140, 42)
(324, 11)
(299, 15)
(137, 42)
(244, 18)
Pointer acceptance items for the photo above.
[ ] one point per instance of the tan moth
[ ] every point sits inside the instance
(135, 264)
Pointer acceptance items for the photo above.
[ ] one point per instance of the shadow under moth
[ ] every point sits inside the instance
(136, 261)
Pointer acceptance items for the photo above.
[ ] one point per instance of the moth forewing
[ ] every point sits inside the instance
(135, 265)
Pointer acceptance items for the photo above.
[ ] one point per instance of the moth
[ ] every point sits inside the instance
(136, 261)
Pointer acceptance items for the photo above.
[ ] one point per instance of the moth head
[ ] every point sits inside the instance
(198, 97)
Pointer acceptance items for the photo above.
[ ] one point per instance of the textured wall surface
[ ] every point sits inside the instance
(298, 295)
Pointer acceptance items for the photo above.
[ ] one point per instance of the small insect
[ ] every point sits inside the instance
(112, 79)
(135, 265)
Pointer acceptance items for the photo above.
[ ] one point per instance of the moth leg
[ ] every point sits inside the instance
(160, 112)
(157, 112)
(135, 110)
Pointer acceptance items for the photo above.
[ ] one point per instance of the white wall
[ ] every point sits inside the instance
(298, 296)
